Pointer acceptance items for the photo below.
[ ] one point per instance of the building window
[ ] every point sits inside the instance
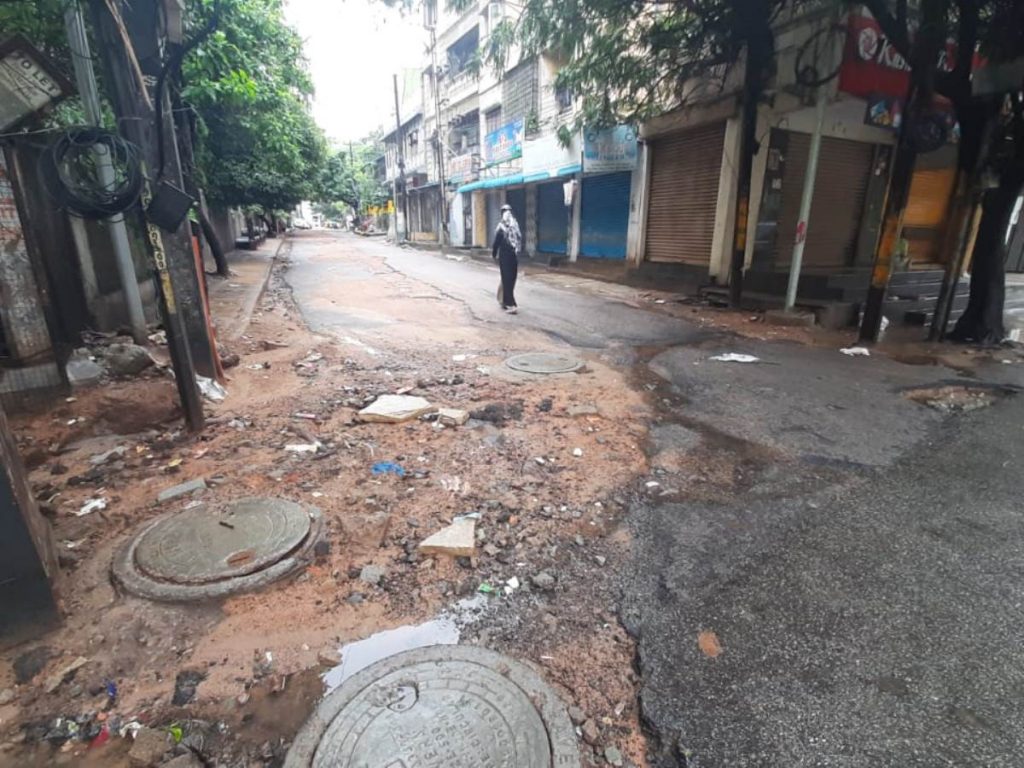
(493, 118)
(563, 97)
(430, 14)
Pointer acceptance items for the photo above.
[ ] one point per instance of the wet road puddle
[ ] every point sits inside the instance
(443, 630)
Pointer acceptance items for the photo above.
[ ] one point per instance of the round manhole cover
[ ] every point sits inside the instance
(544, 362)
(449, 706)
(211, 551)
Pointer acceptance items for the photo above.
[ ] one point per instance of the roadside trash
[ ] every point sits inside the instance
(652, 484)
(856, 351)
(486, 589)
(735, 357)
(577, 452)
(459, 358)
(106, 456)
(305, 416)
(82, 370)
(185, 685)
(160, 337)
(511, 585)
(111, 688)
(258, 366)
(90, 506)
(303, 447)
(101, 738)
(393, 409)
(388, 468)
(211, 390)
(456, 540)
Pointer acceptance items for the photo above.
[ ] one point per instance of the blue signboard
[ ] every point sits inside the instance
(504, 144)
(609, 149)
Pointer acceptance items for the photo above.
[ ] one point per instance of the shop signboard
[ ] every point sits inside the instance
(609, 149)
(504, 144)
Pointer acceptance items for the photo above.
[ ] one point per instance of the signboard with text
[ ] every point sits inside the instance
(462, 168)
(504, 144)
(609, 149)
(28, 83)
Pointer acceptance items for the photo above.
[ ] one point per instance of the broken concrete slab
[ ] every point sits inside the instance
(583, 409)
(393, 409)
(183, 489)
(452, 417)
(457, 540)
(82, 370)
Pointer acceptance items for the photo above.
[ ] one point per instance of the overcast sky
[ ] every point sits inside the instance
(354, 47)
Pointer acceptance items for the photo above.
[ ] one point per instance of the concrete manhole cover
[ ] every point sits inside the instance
(212, 551)
(444, 707)
(544, 362)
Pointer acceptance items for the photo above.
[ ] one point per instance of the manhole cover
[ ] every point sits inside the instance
(211, 551)
(544, 362)
(443, 706)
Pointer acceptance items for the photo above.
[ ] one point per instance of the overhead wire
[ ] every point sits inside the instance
(70, 169)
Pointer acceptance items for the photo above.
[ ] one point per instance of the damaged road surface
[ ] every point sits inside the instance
(645, 554)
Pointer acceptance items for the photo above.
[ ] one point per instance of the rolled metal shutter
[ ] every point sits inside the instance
(604, 215)
(493, 201)
(844, 168)
(552, 223)
(683, 200)
(925, 217)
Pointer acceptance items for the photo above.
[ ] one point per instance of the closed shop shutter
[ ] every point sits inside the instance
(493, 215)
(604, 217)
(517, 199)
(684, 195)
(925, 217)
(844, 168)
(552, 223)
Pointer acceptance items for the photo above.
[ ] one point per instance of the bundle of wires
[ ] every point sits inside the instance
(92, 172)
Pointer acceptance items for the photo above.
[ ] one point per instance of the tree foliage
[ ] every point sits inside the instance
(249, 86)
(349, 176)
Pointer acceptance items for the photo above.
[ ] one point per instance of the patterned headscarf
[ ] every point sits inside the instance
(512, 232)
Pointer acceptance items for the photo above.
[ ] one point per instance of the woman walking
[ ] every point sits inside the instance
(508, 244)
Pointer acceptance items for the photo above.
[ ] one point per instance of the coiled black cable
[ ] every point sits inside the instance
(70, 168)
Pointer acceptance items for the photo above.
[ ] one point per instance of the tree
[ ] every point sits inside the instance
(349, 176)
(249, 86)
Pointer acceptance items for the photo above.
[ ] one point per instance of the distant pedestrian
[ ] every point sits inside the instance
(508, 245)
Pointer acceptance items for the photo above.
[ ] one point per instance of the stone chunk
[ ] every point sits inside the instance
(457, 540)
(127, 359)
(149, 748)
(452, 417)
(176, 491)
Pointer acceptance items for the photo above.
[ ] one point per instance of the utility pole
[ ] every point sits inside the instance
(443, 186)
(85, 77)
(748, 146)
(401, 213)
(173, 265)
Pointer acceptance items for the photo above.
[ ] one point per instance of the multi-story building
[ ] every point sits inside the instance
(662, 196)
(493, 137)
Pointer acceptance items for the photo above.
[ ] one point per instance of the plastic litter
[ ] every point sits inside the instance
(486, 589)
(303, 447)
(856, 351)
(388, 468)
(90, 506)
(211, 389)
(735, 357)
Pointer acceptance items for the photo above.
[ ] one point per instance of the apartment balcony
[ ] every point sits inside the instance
(456, 88)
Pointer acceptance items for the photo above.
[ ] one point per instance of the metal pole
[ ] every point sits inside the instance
(440, 142)
(81, 60)
(401, 232)
(810, 176)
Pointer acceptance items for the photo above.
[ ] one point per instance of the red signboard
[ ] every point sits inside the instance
(871, 64)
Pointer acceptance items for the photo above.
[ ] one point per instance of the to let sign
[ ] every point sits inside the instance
(27, 83)
(609, 149)
(504, 144)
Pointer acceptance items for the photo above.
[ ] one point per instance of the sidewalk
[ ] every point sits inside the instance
(233, 300)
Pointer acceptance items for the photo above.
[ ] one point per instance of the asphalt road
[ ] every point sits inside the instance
(864, 581)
